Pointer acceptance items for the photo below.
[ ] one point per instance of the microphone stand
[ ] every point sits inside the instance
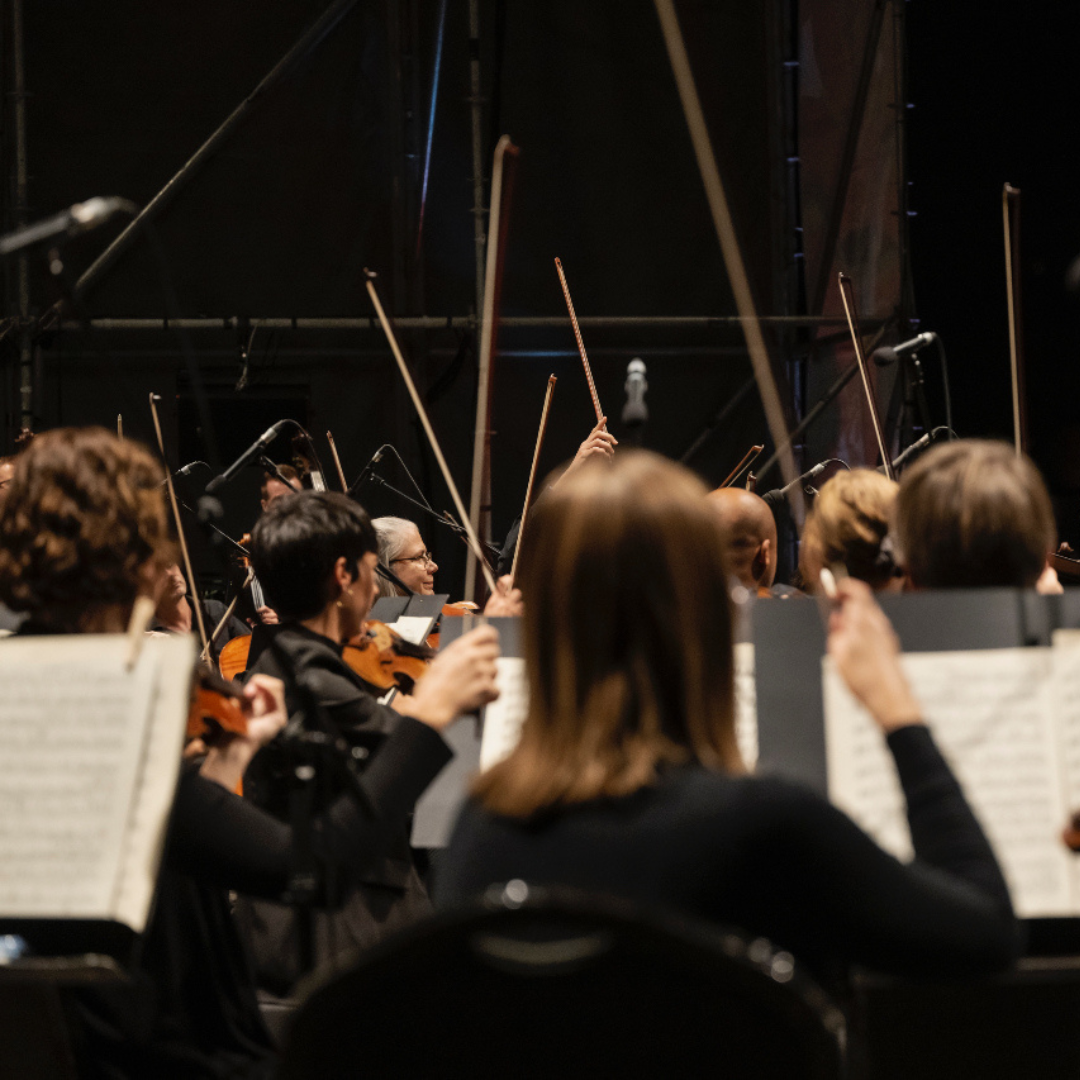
(375, 478)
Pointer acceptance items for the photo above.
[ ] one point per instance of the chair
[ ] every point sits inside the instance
(551, 983)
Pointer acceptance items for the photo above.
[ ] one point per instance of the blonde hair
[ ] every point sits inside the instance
(848, 525)
(628, 638)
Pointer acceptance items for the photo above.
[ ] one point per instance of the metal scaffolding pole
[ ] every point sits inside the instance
(26, 341)
(476, 103)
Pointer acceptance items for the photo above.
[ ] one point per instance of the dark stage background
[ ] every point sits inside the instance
(324, 177)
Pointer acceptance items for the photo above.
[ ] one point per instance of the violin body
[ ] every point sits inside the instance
(385, 660)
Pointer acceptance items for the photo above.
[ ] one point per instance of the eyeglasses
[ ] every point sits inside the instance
(423, 557)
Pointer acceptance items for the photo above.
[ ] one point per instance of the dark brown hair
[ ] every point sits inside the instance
(972, 513)
(84, 515)
(850, 520)
(628, 638)
(296, 543)
(287, 471)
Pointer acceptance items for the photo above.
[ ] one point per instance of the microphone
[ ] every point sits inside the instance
(889, 354)
(916, 447)
(777, 495)
(187, 470)
(256, 448)
(76, 219)
(366, 471)
(635, 411)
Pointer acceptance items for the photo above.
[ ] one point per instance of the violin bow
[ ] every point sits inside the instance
(197, 605)
(532, 473)
(119, 425)
(502, 177)
(428, 430)
(729, 243)
(749, 458)
(1010, 209)
(580, 343)
(337, 462)
(847, 294)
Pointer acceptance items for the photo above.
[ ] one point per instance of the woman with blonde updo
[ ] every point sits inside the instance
(850, 525)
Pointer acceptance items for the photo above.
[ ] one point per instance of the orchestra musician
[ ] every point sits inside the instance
(627, 779)
(84, 532)
(972, 513)
(402, 549)
(315, 553)
(7, 471)
(173, 614)
(850, 525)
(749, 530)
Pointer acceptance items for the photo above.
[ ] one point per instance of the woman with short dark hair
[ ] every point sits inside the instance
(627, 778)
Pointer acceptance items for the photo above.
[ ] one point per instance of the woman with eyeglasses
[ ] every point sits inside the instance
(402, 549)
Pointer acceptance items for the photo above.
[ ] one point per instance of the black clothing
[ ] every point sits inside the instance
(386, 891)
(213, 610)
(191, 1010)
(774, 858)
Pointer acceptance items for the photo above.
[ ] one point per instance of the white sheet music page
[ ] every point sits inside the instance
(79, 803)
(746, 733)
(992, 715)
(1067, 698)
(504, 717)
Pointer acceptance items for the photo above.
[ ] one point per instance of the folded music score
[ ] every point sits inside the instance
(89, 760)
(1008, 723)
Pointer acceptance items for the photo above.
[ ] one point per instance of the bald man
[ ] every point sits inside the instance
(750, 530)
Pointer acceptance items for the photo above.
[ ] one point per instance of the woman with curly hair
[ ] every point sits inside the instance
(84, 532)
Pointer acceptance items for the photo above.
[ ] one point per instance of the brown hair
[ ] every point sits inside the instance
(84, 515)
(287, 471)
(628, 638)
(972, 513)
(848, 525)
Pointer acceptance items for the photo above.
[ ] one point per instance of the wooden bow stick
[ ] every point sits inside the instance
(749, 458)
(180, 531)
(580, 343)
(847, 294)
(337, 462)
(1010, 210)
(422, 413)
(532, 473)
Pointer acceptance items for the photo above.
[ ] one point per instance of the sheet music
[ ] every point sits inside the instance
(1067, 699)
(504, 717)
(746, 733)
(86, 780)
(413, 628)
(993, 716)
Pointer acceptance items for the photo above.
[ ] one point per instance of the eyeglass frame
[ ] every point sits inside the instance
(424, 557)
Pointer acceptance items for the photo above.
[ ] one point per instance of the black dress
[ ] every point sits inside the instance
(191, 1009)
(385, 892)
(774, 858)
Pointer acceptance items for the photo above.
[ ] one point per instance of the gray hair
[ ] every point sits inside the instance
(393, 534)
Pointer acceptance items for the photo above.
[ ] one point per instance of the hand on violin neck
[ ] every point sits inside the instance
(263, 704)
(460, 680)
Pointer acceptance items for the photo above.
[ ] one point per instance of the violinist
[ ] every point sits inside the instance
(273, 489)
(850, 525)
(749, 529)
(402, 549)
(627, 778)
(83, 534)
(315, 553)
(173, 613)
(973, 514)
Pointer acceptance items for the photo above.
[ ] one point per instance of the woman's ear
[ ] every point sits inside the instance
(343, 575)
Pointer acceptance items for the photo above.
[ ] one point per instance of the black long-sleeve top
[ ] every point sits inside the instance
(191, 1009)
(774, 858)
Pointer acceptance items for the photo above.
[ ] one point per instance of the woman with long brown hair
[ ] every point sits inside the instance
(627, 778)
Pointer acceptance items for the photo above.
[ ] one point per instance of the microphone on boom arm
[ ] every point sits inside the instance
(253, 451)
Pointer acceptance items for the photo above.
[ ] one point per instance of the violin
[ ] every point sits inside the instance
(385, 660)
(215, 711)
